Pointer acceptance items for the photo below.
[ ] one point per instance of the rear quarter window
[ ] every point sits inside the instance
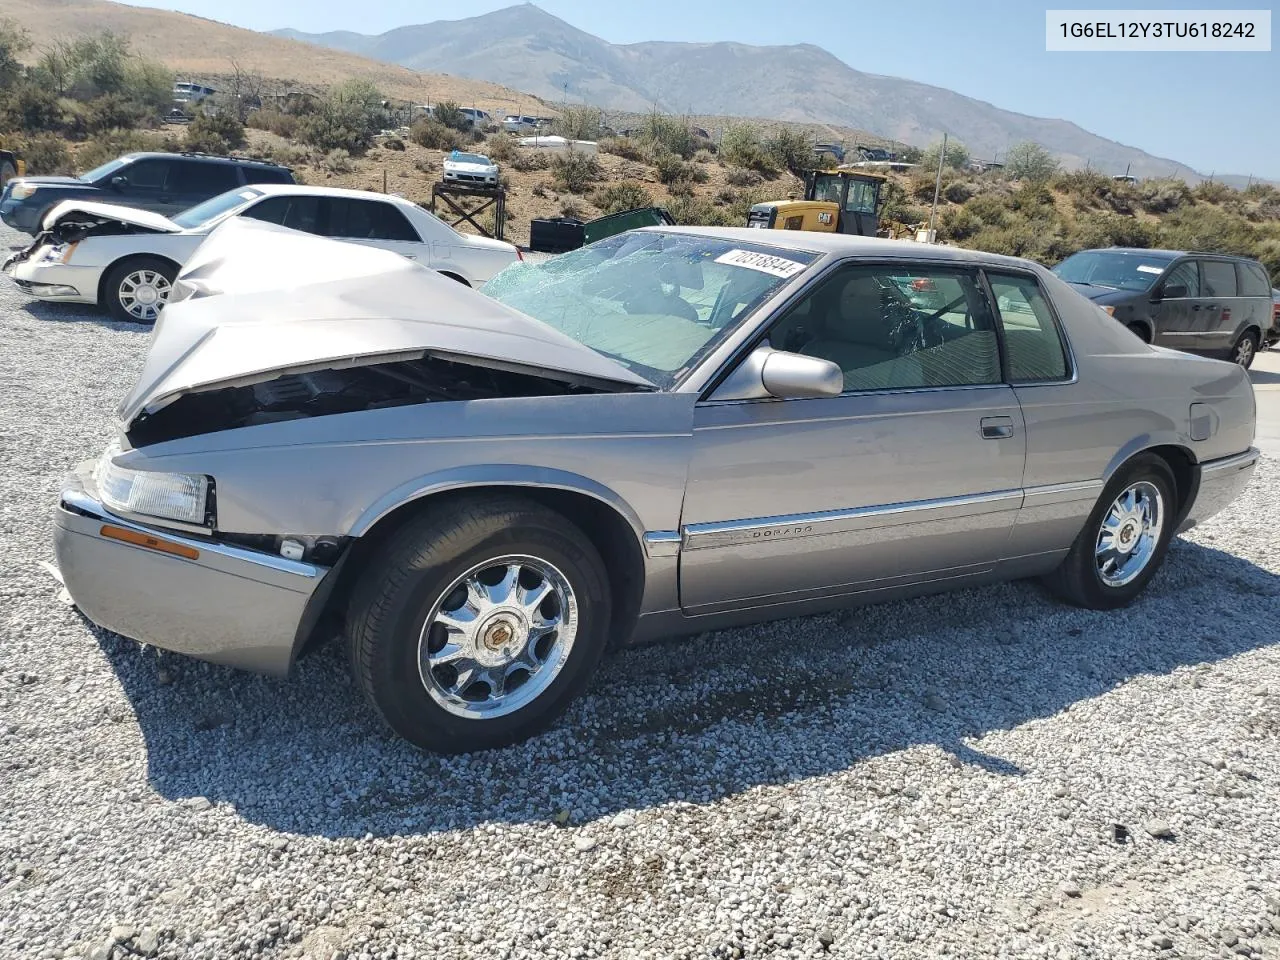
(1032, 342)
(266, 175)
(1252, 280)
(1219, 278)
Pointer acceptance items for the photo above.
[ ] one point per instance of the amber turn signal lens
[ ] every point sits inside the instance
(149, 542)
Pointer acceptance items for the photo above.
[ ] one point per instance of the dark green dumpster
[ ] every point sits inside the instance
(602, 227)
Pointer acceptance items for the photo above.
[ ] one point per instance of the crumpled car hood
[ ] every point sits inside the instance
(110, 211)
(259, 301)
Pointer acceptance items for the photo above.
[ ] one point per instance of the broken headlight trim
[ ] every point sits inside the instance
(184, 497)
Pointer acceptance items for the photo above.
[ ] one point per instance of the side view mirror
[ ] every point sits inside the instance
(790, 376)
(119, 183)
(1171, 291)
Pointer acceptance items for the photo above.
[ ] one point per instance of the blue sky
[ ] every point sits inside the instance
(1215, 111)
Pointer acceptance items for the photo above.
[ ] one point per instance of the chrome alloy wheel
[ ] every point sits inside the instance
(1129, 534)
(143, 292)
(1244, 351)
(497, 637)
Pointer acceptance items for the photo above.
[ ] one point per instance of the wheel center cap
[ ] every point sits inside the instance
(146, 294)
(1128, 536)
(501, 637)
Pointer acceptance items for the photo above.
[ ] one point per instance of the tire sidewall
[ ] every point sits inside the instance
(1235, 350)
(1145, 467)
(404, 700)
(111, 287)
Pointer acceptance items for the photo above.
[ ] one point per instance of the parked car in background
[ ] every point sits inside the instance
(515, 123)
(1204, 303)
(125, 260)
(478, 118)
(165, 183)
(474, 168)
(670, 430)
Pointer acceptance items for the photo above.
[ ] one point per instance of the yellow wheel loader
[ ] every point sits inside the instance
(835, 201)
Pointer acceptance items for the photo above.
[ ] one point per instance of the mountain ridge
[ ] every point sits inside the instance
(526, 48)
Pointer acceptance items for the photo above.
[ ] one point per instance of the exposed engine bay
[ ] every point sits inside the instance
(328, 392)
(76, 226)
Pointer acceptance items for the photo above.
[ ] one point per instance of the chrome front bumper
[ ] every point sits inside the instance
(1221, 481)
(228, 605)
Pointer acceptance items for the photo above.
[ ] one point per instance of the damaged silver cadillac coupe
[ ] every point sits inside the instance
(670, 430)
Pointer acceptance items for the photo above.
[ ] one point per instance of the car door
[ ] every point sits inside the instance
(1217, 325)
(374, 223)
(912, 474)
(297, 211)
(195, 181)
(143, 184)
(1175, 309)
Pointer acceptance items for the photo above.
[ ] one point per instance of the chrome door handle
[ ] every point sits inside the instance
(997, 428)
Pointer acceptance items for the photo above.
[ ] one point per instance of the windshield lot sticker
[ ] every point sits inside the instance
(777, 266)
(1145, 269)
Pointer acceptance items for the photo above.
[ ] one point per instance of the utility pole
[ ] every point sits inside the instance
(937, 185)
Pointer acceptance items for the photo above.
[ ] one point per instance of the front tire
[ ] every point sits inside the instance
(480, 623)
(1245, 349)
(1124, 540)
(136, 290)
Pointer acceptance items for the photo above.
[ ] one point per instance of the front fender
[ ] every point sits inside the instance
(493, 475)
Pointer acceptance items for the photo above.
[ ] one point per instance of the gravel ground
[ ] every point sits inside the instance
(929, 778)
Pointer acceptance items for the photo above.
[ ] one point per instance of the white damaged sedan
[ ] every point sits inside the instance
(125, 260)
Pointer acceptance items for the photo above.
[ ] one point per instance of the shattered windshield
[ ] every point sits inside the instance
(655, 302)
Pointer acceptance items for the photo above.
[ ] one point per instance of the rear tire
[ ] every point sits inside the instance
(1245, 349)
(453, 649)
(136, 290)
(1141, 331)
(1137, 532)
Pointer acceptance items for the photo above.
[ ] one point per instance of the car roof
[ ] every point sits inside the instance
(1158, 254)
(844, 245)
(202, 157)
(272, 189)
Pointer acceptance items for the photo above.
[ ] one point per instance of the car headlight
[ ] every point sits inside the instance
(171, 496)
(21, 191)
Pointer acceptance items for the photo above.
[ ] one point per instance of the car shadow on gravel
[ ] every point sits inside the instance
(696, 719)
(78, 313)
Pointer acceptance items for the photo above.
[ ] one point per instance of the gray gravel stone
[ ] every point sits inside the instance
(902, 830)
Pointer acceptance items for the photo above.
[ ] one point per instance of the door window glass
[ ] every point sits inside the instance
(1031, 337)
(1219, 278)
(896, 327)
(1252, 280)
(1186, 275)
(147, 174)
(862, 197)
(296, 212)
(368, 220)
(204, 179)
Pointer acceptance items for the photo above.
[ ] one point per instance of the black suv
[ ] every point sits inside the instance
(164, 182)
(1205, 303)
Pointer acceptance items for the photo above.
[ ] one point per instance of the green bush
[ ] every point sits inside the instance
(624, 147)
(1163, 195)
(338, 161)
(671, 134)
(527, 161)
(958, 224)
(958, 191)
(696, 212)
(347, 119)
(14, 42)
(114, 111)
(450, 114)
(1030, 161)
(617, 197)
(990, 208)
(30, 108)
(215, 133)
(1110, 230)
(672, 170)
(280, 123)
(1033, 198)
(1212, 191)
(574, 172)
(577, 123)
(431, 133)
(46, 155)
(680, 188)
(957, 156)
(501, 148)
(1203, 227)
(704, 154)
(741, 147)
(921, 183)
(788, 149)
(742, 177)
(394, 143)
